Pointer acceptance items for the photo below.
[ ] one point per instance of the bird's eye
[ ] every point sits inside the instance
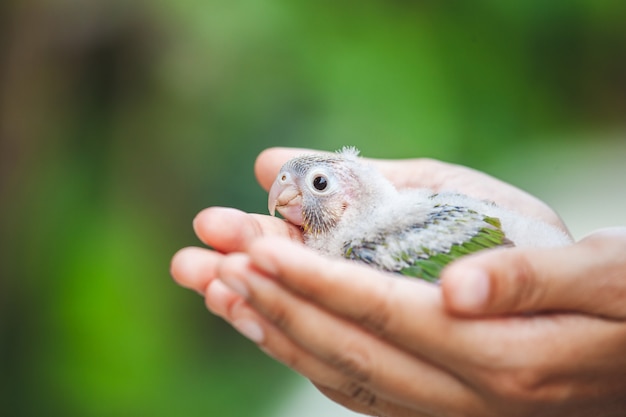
(320, 182)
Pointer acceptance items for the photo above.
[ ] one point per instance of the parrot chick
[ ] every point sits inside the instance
(346, 208)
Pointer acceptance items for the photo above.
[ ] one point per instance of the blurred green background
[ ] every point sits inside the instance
(120, 120)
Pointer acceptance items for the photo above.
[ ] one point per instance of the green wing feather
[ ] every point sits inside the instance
(430, 268)
(424, 262)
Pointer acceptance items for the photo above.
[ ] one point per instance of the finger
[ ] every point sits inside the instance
(415, 173)
(404, 173)
(589, 276)
(439, 176)
(219, 299)
(343, 388)
(408, 312)
(375, 365)
(194, 268)
(375, 299)
(269, 162)
(230, 230)
(442, 176)
(380, 408)
(271, 340)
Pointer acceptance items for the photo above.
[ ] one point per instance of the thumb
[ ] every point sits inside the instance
(588, 277)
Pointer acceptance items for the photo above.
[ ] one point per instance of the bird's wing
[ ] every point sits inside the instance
(422, 250)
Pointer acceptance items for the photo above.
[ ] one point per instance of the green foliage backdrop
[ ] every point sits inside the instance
(120, 120)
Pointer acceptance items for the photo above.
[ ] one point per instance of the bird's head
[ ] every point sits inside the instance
(314, 191)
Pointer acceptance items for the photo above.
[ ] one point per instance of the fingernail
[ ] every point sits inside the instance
(249, 329)
(471, 290)
(236, 285)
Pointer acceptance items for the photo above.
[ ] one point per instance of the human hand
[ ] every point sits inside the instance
(229, 231)
(389, 346)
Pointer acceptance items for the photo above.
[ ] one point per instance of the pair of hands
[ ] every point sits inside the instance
(398, 347)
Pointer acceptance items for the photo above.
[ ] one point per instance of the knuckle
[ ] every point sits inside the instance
(359, 393)
(377, 317)
(521, 386)
(525, 291)
(279, 316)
(354, 363)
(518, 386)
(233, 307)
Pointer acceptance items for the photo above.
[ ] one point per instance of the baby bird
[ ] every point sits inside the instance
(346, 208)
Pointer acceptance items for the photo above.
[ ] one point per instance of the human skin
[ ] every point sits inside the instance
(515, 332)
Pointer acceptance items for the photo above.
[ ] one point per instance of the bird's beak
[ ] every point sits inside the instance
(285, 197)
